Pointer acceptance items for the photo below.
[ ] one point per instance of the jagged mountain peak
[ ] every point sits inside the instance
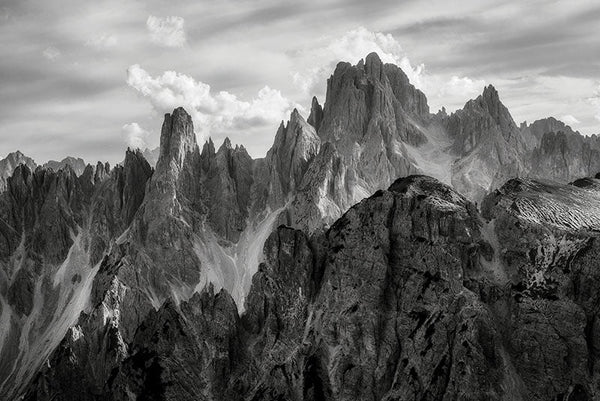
(226, 148)
(490, 92)
(316, 113)
(549, 124)
(358, 96)
(488, 101)
(208, 148)
(374, 66)
(17, 154)
(177, 138)
(77, 164)
(8, 164)
(226, 145)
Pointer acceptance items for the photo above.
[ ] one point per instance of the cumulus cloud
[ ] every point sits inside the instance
(102, 41)
(351, 47)
(134, 136)
(451, 91)
(213, 113)
(167, 31)
(51, 53)
(569, 119)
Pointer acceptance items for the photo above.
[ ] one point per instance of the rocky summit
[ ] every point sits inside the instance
(377, 252)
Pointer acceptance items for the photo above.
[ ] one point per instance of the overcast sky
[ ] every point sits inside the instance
(87, 78)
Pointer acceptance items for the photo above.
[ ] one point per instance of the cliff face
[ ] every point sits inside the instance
(133, 283)
(54, 229)
(562, 154)
(491, 148)
(411, 294)
(10, 163)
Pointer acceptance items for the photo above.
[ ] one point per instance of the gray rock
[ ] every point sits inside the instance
(8, 165)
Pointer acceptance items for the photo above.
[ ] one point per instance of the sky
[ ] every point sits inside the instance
(89, 78)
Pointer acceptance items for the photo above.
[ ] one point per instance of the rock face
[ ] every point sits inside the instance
(562, 154)
(175, 283)
(151, 155)
(8, 165)
(408, 296)
(54, 229)
(494, 149)
(77, 164)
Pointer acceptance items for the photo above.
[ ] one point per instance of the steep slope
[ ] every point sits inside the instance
(151, 254)
(54, 228)
(489, 145)
(151, 155)
(410, 295)
(375, 126)
(562, 154)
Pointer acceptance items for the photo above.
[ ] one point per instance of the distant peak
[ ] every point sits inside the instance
(316, 113)
(490, 92)
(208, 149)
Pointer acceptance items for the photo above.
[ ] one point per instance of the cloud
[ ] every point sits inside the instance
(595, 102)
(213, 113)
(449, 91)
(51, 53)
(166, 31)
(134, 135)
(569, 119)
(351, 47)
(102, 41)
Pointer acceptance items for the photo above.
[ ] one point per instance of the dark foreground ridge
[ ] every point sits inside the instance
(407, 296)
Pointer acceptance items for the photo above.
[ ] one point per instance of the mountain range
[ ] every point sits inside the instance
(378, 252)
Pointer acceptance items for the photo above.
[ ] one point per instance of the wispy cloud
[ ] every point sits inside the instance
(595, 102)
(102, 41)
(51, 53)
(570, 119)
(167, 31)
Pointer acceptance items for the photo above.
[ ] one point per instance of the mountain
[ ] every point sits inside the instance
(151, 156)
(314, 272)
(408, 295)
(8, 165)
(563, 154)
(56, 228)
(77, 164)
(13, 160)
